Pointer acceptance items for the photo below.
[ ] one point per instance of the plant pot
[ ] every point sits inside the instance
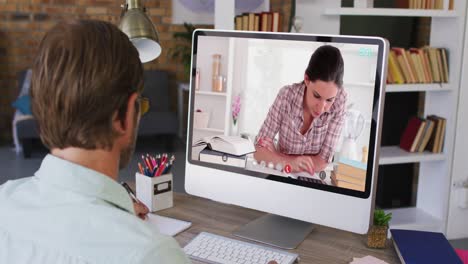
(377, 237)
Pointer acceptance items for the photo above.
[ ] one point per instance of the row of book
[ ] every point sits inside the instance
(424, 134)
(423, 65)
(423, 4)
(349, 174)
(265, 21)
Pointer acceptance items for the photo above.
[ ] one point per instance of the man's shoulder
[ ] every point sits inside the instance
(12, 187)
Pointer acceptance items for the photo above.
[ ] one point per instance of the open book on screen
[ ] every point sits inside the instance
(227, 144)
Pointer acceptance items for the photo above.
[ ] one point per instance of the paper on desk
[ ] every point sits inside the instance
(367, 260)
(166, 225)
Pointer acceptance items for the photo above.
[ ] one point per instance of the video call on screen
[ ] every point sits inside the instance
(239, 81)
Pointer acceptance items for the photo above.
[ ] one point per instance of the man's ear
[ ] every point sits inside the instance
(127, 123)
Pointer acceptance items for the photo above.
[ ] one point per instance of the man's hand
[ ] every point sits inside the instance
(140, 210)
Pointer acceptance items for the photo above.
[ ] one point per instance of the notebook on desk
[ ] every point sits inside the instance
(166, 225)
(423, 247)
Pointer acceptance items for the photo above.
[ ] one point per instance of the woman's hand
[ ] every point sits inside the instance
(302, 163)
(140, 210)
(266, 143)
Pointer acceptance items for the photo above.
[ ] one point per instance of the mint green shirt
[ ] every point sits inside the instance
(67, 213)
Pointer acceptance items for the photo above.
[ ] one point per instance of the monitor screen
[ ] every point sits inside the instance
(286, 123)
(298, 110)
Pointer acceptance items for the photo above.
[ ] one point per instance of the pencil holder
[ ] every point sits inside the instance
(154, 192)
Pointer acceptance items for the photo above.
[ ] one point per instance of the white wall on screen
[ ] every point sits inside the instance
(262, 67)
(272, 65)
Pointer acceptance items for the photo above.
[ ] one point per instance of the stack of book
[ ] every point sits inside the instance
(349, 174)
(423, 4)
(265, 21)
(424, 134)
(424, 65)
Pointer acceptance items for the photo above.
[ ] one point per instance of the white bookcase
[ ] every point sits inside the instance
(217, 104)
(435, 195)
(435, 178)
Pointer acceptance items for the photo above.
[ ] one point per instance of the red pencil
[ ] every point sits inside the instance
(160, 169)
(146, 162)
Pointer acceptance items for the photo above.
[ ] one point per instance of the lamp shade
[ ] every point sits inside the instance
(141, 32)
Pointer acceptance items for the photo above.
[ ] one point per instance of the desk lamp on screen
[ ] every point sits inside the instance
(269, 136)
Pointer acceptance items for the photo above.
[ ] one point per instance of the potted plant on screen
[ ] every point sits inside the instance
(377, 235)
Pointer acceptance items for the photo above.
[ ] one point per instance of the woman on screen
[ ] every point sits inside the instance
(307, 116)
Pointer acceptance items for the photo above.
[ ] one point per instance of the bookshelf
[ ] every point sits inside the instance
(431, 87)
(402, 12)
(434, 189)
(395, 155)
(435, 209)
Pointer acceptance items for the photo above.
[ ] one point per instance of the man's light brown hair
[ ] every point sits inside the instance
(84, 72)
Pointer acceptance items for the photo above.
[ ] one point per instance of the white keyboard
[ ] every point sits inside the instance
(210, 248)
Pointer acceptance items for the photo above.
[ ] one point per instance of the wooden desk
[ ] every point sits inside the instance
(323, 245)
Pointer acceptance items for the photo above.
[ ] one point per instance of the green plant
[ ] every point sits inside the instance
(183, 50)
(380, 218)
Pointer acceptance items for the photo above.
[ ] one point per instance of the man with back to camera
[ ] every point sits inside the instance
(86, 90)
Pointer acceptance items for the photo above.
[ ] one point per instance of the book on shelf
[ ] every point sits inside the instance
(411, 132)
(245, 21)
(264, 21)
(394, 69)
(276, 22)
(423, 4)
(251, 26)
(436, 142)
(212, 156)
(414, 246)
(424, 134)
(238, 23)
(418, 65)
(256, 22)
(233, 145)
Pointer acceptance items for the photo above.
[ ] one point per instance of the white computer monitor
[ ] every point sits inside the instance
(254, 68)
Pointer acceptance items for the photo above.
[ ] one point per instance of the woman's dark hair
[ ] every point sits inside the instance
(326, 64)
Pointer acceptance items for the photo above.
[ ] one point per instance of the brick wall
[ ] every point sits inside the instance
(24, 22)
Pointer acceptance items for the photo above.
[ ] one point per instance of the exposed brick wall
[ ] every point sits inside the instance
(23, 23)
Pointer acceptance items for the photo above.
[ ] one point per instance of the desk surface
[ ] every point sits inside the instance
(323, 245)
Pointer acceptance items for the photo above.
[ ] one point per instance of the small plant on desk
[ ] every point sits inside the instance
(377, 235)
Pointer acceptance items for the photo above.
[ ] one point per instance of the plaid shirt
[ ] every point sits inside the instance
(286, 117)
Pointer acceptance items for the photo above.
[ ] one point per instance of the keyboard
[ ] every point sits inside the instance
(210, 248)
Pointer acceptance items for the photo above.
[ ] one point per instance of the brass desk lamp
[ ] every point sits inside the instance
(140, 30)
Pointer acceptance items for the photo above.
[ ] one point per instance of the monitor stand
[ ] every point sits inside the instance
(275, 230)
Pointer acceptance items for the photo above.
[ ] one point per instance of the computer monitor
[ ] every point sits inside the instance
(291, 131)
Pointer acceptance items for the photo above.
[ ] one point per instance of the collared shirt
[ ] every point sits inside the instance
(67, 213)
(286, 117)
